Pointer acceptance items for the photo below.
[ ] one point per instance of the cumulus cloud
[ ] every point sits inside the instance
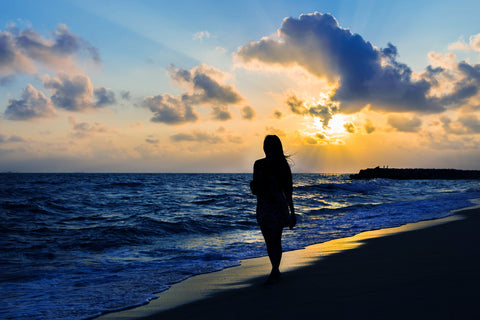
(33, 104)
(462, 45)
(324, 111)
(221, 113)
(171, 110)
(404, 124)
(364, 74)
(205, 86)
(104, 97)
(76, 93)
(22, 50)
(248, 113)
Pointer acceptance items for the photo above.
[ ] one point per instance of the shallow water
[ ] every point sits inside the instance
(77, 245)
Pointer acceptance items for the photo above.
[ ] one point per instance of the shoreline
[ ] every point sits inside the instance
(184, 300)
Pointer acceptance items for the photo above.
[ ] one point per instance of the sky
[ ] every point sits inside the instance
(195, 86)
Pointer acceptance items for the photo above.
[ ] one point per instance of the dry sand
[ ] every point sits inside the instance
(431, 271)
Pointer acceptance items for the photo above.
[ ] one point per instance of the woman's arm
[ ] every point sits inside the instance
(288, 189)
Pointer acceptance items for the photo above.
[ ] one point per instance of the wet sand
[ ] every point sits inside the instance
(427, 270)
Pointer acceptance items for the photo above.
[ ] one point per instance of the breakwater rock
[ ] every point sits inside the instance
(391, 173)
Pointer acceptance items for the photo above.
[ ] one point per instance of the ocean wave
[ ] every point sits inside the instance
(108, 241)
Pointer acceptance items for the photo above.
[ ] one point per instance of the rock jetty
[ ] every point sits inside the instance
(402, 174)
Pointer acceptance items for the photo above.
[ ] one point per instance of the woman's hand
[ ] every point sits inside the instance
(293, 220)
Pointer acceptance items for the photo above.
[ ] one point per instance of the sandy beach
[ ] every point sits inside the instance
(427, 270)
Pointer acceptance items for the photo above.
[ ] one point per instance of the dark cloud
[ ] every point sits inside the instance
(73, 93)
(6, 80)
(277, 114)
(465, 124)
(221, 113)
(197, 136)
(76, 93)
(471, 122)
(125, 95)
(83, 129)
(404, 124)
(104, 97)
(365, 74)
(13, 138)
(324, 111)
(152, 141)
(248, 113)
(33, 104)
(171, 110)
(350, 127)
(21, 49)
(205, 88)
(466, 87)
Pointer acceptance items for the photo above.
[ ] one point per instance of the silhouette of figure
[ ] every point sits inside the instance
(272, 184)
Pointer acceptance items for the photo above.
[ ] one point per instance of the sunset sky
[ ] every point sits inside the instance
(194, 86)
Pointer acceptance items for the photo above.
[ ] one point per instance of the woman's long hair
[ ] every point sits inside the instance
(274, 154)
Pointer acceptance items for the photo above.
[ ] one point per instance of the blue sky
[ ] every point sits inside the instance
(145, 48)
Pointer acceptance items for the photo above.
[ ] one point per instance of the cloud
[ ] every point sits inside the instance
(6, 80)
(24, 50)
(197, 136)
(465, 124)
(475, 42)
(369, 127)
(248, 113)
(459, 45)
(104, 97)
(83, 129)
(171, 110)
(205, 86)
(12, 138)
(324, 111)
(404, 124)
(221, 113)
(277, 114)
(201, 35)
(462, 45)
(152, 141)
(33, 104)
(76, 93)
(350, 127)
(364, 73)
(125, 95)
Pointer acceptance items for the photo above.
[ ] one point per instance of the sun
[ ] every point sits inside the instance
(335, 127)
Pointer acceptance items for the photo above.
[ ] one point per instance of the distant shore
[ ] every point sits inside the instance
(419, 173)
(428, 272)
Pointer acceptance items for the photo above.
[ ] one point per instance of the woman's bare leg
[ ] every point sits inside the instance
(273, 240)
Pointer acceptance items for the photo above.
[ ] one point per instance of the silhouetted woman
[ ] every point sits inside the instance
(272, 184)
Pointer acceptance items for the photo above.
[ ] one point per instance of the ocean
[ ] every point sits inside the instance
(75, 246)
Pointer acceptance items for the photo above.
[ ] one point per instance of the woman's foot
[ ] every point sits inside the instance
(274, 276)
